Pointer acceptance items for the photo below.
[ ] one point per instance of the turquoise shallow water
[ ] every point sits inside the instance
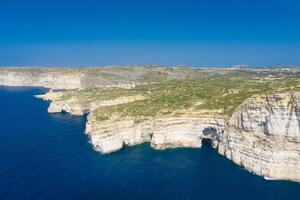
(48, 156)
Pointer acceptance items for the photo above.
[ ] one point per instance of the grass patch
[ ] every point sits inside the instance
(217, 90)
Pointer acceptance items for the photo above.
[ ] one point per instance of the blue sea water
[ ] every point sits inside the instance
(48, 156)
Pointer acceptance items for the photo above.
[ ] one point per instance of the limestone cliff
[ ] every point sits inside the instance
(162, 132)
(262, 135)
(77, 107)
(48, 79)
(62, 78)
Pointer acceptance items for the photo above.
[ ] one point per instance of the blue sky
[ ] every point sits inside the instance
(169, 32)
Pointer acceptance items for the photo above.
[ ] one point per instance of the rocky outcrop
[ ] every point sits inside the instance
(262, 135)
(75, 106)
(276, 114)
(186, 131)
(162, 132)
(111, 136)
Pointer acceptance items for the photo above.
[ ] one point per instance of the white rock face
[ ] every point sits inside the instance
(58, 78)
(111, 136)
(163, 132)
(262, 135)
(273, 115)
(185, 131)
(53, 80)
(77, 107)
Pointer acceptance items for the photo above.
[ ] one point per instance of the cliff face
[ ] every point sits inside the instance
(277, 114)
(60, 78)
(78, 107)
(264, 136)
(48, 79)
(161, 132)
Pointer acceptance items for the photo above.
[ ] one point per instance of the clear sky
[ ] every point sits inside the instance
(169, 32)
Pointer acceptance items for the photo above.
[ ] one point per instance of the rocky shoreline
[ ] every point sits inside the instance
(262, 135)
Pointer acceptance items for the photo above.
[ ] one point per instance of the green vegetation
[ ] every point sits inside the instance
(108, 75)
(97, 94)
(218, 91)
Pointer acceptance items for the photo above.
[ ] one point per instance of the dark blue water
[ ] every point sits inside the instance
(48, 156)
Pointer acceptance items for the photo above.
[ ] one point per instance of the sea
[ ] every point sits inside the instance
(48, 156)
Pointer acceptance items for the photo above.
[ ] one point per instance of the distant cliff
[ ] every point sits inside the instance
(74, 78)
(57, 79)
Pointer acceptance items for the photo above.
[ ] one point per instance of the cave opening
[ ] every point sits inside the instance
(210, 134)
(207, 142)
